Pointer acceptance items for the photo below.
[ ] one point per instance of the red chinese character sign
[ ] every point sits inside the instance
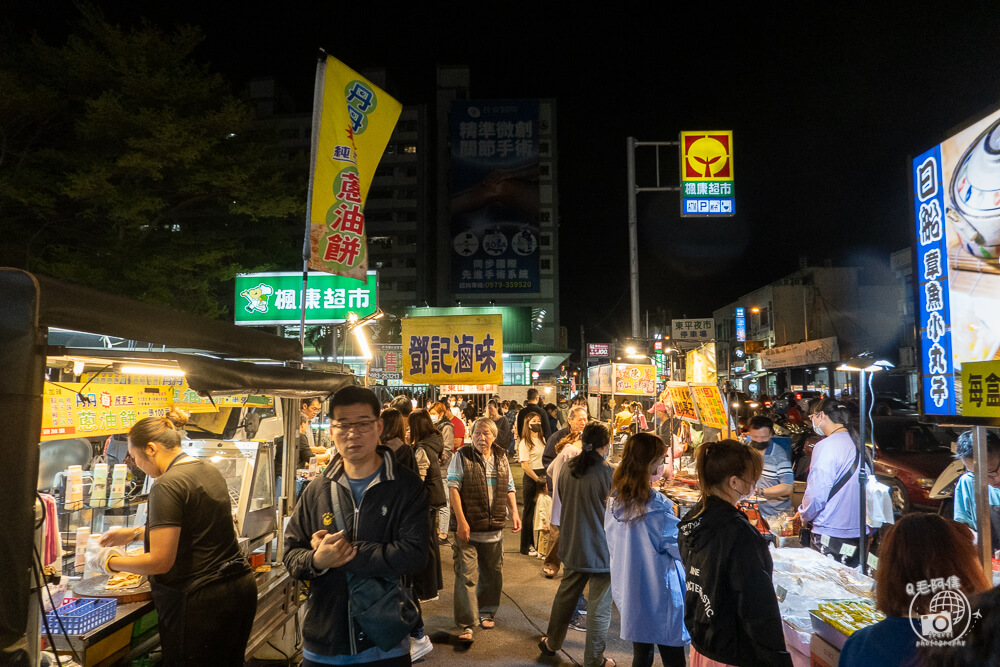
(635, 379)
(465, 349)
(355, 119)
(387, 364)
(74, 411)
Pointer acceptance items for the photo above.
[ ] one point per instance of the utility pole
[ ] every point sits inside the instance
(633, 235)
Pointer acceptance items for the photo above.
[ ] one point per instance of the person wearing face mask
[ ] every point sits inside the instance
(647, 576)
(530, 446)
(730, 608)
(774, 489)
(830, 500)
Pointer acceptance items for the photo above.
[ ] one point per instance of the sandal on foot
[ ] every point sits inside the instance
(466, 636)
(487, 623)
(543, 646)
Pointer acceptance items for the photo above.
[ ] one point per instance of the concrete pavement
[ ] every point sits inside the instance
(520, 622)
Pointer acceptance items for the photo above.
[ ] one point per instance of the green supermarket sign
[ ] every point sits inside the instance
(276, 298)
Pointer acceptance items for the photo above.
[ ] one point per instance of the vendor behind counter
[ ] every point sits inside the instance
(203, 588)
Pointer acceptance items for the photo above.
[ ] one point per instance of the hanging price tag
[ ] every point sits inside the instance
(781, 593)
(848, 550)
(825, 540)
(872, 561)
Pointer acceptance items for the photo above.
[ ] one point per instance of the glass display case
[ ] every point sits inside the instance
(248, 468)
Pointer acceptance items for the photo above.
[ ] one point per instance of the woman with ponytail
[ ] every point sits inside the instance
(830, 501)
(647, 576)
(730, 607)
(584, 485)
(203, 588)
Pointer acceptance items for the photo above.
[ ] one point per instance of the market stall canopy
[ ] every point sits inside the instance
(67, 306)
(217, 377)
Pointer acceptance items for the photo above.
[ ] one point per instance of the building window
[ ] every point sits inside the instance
(409, 148)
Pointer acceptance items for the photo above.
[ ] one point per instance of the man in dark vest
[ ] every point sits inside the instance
(482, 491)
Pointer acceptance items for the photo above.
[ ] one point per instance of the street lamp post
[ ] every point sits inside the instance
(863, 365)
(357, 326)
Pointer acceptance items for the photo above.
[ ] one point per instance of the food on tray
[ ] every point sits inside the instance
(123, 580)
(848, 616)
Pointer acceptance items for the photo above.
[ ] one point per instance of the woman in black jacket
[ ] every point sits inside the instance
(427, 446)
(730, 607)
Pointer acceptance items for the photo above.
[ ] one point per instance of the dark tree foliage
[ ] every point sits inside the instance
(129, 167)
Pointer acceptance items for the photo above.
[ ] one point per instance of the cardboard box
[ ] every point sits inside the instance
(822, 653)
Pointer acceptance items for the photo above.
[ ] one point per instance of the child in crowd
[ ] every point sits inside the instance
(543, 512)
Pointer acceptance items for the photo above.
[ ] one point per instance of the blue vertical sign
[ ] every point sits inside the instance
(931, 275)
(741, 324)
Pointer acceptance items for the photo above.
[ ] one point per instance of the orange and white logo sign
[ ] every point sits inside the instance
(707, 156)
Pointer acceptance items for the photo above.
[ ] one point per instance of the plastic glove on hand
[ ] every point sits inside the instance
(97, 558)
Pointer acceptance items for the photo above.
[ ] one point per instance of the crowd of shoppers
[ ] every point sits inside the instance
(696, 590)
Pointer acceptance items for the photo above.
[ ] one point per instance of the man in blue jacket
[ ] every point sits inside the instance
(385, 532)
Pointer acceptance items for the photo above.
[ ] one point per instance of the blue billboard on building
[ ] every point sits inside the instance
(494, 196)
(956, 208)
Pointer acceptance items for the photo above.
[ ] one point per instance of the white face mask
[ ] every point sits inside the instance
(818, 428)
(658, 475)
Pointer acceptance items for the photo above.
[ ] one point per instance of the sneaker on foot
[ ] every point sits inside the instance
(532, 552)
(429, 599)
(420, 647)
(578, 624)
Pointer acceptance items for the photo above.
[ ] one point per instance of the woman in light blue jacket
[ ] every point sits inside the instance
(647, 576)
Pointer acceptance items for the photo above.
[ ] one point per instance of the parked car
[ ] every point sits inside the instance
(908, 457)
(890, 406)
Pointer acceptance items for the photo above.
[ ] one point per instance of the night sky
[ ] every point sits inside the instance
(826, 106)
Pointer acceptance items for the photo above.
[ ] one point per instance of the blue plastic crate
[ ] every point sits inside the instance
(81, 616)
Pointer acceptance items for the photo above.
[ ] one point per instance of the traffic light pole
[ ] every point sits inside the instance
(633, 234)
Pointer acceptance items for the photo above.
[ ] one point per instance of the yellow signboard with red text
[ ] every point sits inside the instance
(71, 410)
(108, 403)
(711, 407)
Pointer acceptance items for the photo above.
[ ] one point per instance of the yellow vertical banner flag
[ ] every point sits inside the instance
(352, 122)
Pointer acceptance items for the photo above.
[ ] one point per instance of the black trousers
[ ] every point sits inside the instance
(209, 626)
(529, 488)
(642, 655)
(429, 581)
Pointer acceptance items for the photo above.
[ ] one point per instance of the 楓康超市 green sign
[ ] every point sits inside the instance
(276, 298)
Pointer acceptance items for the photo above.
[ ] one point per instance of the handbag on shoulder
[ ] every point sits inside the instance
(383, 607)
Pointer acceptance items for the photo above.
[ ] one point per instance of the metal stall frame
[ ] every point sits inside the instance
(211, 358)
